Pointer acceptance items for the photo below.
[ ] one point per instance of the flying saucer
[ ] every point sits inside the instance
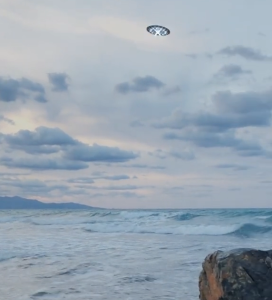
(158, 30)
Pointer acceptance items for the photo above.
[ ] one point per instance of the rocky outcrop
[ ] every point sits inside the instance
(240, 274)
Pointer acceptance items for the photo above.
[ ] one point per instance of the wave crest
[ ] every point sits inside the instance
(249, 230)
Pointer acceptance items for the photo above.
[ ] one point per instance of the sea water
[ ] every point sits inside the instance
(118, 254)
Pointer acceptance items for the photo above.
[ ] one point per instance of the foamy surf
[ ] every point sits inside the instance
(118, 254)
(240, 223)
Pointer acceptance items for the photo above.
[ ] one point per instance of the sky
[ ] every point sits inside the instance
(95, 110)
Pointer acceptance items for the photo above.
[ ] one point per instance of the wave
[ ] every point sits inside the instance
(268, 220)
(5, 258)
(72, 217)
(239, 230)
(240, 223)
(184, 217)
(140, 214)
(235, 213)
(149, 229)
(249, 230)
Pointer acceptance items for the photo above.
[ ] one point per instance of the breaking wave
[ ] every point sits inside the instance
(249, 230)
(238, 223)
(243, 230)
(185, 217)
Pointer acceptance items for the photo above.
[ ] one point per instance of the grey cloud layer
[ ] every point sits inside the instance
(12, 90)
(40, 137)
(92, 179)
(112, 188)
(7, 120)
(136, 123)
(227, 140)
(42, 164)
(32, 185)
(36, 187)
(139, 85)
(217, 129)
(233, 167)
(245, 52)
(41, 141)
(178, 154)
(74, 154)
(232, 110)
(172, 90)
(96, 152)
(231, 71)
(58, 81)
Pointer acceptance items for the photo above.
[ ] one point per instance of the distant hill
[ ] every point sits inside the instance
(22, 203)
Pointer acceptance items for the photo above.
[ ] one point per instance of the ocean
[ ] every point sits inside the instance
(118, 254)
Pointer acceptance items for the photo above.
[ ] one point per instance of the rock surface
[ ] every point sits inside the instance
(240, 274)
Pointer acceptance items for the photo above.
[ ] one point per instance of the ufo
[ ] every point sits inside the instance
(158, 30)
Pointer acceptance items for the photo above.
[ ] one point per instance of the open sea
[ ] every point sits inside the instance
(118, 254)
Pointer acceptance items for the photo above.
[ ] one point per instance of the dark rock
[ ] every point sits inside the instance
(240, 274)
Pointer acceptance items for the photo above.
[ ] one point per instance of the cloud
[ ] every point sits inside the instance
(172, 91)
(13, 174)
(112, 188)
(136, 123)
(116, 194)
(43, 140)
(243, 102)
(225, 140)
(192, 55)
(97, 153)
(208, 55)
(232, 110)
(245, 52)
(41, 136)
(231, 71)
(40, 98)
(121, 187)
(81, 180)
(59, 81)
(214, 122)
(52, 140)
(181, 154)
(234, 189)
(4, 119)
(158, 153)
(42, 164)
(12, 90)
(114, 177)
(139, 85)
(44, 149)
(33, 185)
(143, 166)
(266, 181)
(234, 167)
(92, 179)
(74, 154)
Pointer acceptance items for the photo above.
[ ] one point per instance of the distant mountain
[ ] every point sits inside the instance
(22, 203)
